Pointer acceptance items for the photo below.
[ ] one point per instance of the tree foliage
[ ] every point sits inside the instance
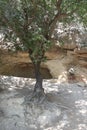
(33, 21)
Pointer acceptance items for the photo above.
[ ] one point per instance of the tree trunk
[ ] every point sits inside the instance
(38, 94)
(38, 86)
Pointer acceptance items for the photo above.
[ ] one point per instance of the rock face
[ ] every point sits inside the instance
(71, 35)
(65, 107)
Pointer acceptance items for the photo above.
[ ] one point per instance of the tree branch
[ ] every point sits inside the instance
(57, 17)
(53, 22)
(58, 4)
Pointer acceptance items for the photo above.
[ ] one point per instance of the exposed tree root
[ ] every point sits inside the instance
(37, 96)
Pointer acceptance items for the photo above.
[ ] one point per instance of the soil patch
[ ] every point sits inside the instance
(57, 66)
(24, 70)
(19, 65)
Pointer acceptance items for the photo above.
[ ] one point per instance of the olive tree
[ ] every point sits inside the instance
(29, 24)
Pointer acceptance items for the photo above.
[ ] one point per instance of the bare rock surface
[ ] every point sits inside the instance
(65, 107)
